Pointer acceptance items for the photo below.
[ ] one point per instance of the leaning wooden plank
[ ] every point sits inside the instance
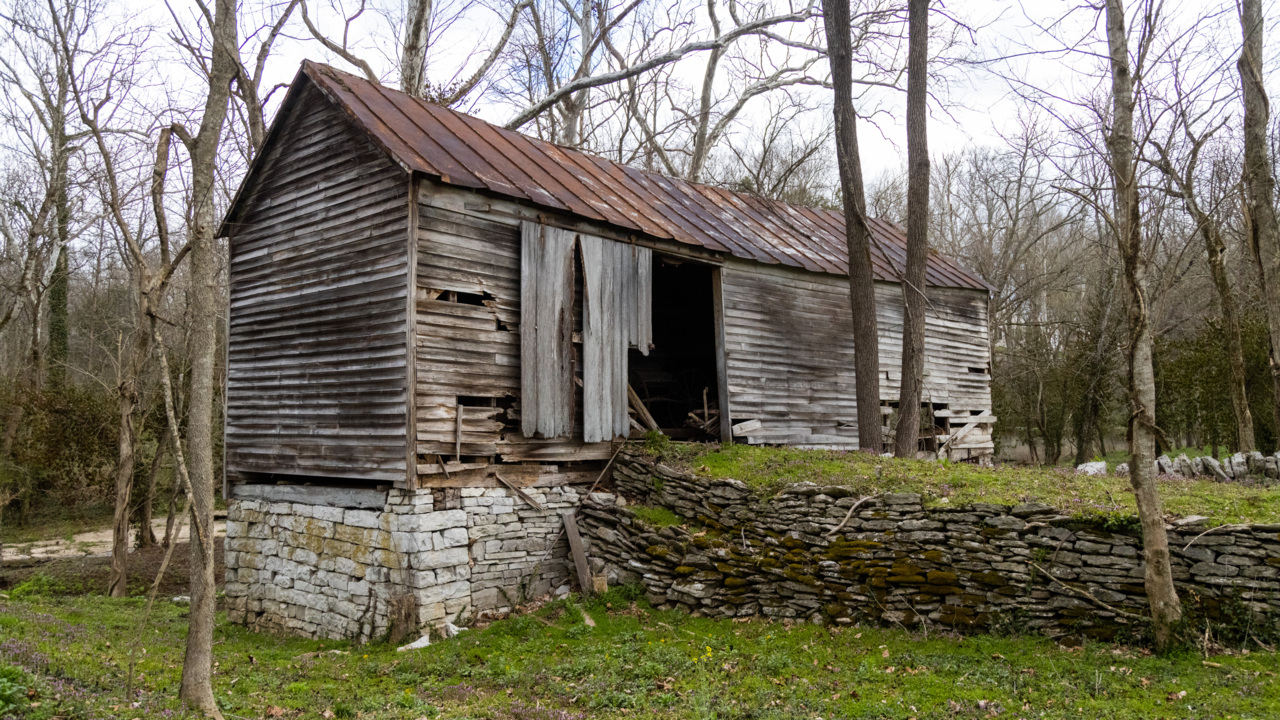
(578, 552)
(366, 498)
(640, 409)
(523, 495)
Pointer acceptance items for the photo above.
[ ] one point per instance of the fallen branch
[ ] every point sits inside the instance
(849, 515)
(1089, 596)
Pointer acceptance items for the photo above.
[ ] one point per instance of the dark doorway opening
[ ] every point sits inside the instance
(677, 381)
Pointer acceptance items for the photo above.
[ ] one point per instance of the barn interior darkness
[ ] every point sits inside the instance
(672, 379)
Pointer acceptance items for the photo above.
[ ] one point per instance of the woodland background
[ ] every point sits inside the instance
(94, 182)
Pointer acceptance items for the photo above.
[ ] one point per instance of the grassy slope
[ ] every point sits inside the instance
(958, 483)
(635, 663)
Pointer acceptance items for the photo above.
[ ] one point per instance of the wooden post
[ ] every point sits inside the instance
(457, 431)
(576, 549)
(722, 370)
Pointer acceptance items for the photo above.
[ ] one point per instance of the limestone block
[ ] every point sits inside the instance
(433, 521)
(450, 538)
(433, 559)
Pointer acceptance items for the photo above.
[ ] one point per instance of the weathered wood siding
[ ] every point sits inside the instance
(471, 244)
(317, 379)
(789, 347)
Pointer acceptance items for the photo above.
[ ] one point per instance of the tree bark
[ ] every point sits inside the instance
(126, 404)
(413, 53)
(146, 535)
(862, 291)
(908, 431)
(1161, 594)
(197, 669)
(1259, 180)
(1215, 249)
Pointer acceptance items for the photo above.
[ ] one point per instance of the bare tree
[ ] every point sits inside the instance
(1259, 180)
(907, 432)
(862, 295)
(1192, 110)
(1123, 150)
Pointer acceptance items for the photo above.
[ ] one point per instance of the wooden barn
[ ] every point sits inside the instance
(418, 296)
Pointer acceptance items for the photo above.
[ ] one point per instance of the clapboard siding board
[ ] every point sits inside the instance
(789, 348)
(317, 376)
(475, 350)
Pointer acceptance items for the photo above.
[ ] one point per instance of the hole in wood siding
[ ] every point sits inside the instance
(980, 371)
(467, 298)
(476, 401)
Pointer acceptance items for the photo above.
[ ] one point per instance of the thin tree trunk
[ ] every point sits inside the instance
(1161, 594)
(908, 431)
(1259, 182)
(197, 667)
(147, 536)
(1215, 249)
(862, 290)
(126, 405)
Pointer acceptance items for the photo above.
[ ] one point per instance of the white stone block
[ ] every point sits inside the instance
(451, 538)
(404, 542)
(362, 518)
(431, 522)
(330, 514)
(439, 558)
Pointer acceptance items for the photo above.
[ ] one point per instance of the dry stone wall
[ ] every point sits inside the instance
(424, 558)
(803, 554)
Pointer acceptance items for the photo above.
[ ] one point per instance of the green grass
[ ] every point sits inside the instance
(635, 663)
(657, 516)
(770, 469)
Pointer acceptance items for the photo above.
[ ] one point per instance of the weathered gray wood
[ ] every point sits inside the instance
(576, 549)
(612, 277)
(317, 370)
(362, 498)
(789, 350)
(722, 375)
(546, 302)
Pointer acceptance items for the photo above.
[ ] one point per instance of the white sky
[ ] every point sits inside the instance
(976, 108)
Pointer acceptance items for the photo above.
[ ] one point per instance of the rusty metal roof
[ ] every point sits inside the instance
(465, 151)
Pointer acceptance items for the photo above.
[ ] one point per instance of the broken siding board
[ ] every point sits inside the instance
(475, 350)
(547, 328)
(318, 245)
(789, 348)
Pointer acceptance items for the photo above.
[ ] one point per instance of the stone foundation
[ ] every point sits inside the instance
(424, 558)
(803, 554)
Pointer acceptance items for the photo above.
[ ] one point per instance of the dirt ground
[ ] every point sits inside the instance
(88, 575)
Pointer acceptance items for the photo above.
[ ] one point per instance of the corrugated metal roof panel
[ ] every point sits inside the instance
(466, 151)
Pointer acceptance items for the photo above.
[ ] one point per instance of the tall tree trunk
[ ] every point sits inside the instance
(59, 334)
(206, 303)
(908, 431)
(862, 290)
(413, 53)
(1161, 594)
(126, 404)
(1259, 182)
(146, 535)
(1215, 249)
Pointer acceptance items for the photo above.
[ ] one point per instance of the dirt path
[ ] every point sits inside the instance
(94, 543)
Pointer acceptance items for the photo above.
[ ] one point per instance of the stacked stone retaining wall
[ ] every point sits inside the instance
(424, 558)
(801, 554)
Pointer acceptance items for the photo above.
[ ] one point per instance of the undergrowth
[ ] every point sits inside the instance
(628, 661)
